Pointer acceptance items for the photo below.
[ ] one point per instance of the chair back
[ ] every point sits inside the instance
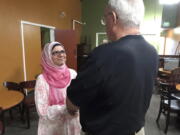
(165, 91)
(161, 63)
(28, 87)
(25, 85)
(1, 123)
(12, 86)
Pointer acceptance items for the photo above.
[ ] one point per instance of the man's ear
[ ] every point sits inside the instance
(114, 17)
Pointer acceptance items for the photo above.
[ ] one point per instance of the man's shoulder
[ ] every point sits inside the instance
(103, 48)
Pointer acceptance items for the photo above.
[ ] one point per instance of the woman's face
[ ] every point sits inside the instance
(58, 55)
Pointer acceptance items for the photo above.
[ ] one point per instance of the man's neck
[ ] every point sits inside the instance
(127, 31)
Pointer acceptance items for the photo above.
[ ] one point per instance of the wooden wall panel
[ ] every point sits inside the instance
(38, 11)
(32, 45)
(69, 40)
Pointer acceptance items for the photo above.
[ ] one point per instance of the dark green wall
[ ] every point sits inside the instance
(153, 10)
(92, 12)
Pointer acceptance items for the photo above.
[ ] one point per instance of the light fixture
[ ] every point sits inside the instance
(168, 2)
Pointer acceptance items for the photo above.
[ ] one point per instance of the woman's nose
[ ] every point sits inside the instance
(61, 54)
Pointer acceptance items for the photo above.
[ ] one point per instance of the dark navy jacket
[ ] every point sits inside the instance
(114, 88)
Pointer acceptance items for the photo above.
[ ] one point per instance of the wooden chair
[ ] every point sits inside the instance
(1, 122)
(12, 85)
(168, 102)
(175, 76)
(29, 98)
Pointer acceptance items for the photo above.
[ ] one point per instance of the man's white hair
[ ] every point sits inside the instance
(130, 12)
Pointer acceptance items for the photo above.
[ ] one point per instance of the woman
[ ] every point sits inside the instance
(50, 93)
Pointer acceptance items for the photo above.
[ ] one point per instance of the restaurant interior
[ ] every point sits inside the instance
(26, 26)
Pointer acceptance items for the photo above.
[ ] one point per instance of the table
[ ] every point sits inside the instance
(9, 99)
(177, 95)
(178, 87)
(161, 70)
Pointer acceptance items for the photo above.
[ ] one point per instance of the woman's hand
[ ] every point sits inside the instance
(72, 109)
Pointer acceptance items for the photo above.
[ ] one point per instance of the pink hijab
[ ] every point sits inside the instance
(57, 77)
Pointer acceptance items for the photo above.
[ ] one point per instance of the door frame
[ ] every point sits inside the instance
(52, 38)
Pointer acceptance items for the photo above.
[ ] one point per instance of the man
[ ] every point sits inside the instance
(114, 89)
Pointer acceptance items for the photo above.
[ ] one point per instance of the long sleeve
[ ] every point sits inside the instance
(41, 100)
(85, 87)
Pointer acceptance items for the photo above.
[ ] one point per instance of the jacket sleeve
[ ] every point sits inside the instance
(41, 100)
(84, 89)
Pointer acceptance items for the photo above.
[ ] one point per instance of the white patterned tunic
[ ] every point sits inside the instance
(55, 119)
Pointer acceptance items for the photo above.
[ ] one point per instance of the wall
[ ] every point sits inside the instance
(178, 16)
(152, 18)
(172, 36)
(92, 11)
(38, 11)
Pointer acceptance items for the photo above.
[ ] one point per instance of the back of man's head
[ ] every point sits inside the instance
(130, 12)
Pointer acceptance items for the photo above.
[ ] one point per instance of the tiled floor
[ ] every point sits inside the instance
(15, 127)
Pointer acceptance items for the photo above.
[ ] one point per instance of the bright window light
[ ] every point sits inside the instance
(177, 30)
(168, 2)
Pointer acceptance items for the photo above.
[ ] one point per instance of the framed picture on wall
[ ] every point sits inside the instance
(101, 38)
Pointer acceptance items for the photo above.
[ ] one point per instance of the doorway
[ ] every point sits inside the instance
(33, 37)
